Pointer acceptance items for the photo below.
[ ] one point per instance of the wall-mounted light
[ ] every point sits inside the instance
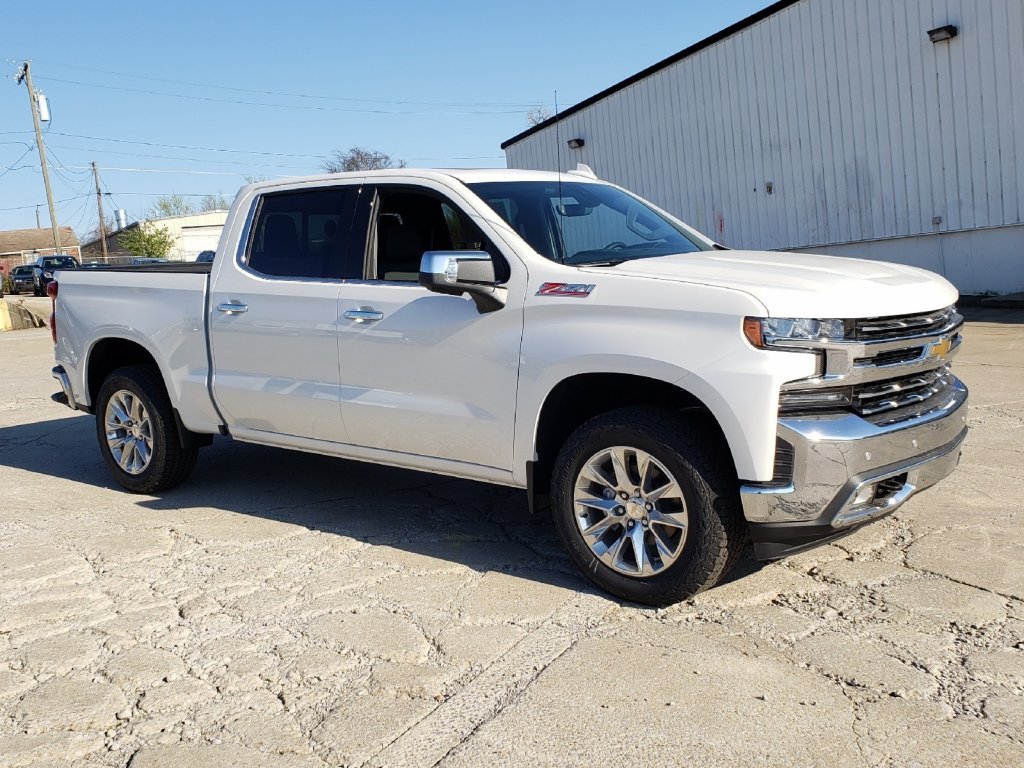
(576, 143)
(939, 34)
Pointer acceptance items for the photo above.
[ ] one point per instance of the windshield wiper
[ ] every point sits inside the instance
(608, 263)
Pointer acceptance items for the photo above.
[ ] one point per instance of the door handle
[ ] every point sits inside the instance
(233, 308)
(364, 315)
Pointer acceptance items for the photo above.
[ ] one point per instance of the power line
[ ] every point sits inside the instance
(171, 157)
(298, 95)
(314, 107)
(186, 146)
(167, 170)
(14, 166)
(33, 205)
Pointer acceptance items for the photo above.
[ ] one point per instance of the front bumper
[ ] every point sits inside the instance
(848, 471)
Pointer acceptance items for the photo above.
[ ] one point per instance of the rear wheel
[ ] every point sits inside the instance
(137, 432)
(645, 501)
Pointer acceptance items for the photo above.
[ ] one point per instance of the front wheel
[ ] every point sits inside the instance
(137, 432)
(646, 502)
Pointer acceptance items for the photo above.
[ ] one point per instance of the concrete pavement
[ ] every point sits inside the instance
(283, 609)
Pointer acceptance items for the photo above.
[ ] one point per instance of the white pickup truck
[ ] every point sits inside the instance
(666, 397)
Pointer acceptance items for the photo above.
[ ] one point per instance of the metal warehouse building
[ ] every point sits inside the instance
(882, 129)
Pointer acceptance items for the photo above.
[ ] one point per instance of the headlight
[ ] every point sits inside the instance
(48, 275)
(764, 332)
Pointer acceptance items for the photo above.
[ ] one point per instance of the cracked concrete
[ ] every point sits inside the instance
(272, 612)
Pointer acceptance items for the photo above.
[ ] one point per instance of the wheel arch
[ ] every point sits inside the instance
(580, 397)
(108, 354)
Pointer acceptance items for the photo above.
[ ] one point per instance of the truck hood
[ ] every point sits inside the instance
(801, 284)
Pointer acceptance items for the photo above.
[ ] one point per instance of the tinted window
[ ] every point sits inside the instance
(410, 223)
(577, 222)
(59, 262)
(303, 234)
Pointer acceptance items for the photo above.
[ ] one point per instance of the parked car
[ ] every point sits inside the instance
(44, 269)
(21, 279)
(146, 260)
(205, 257)
(662, 397)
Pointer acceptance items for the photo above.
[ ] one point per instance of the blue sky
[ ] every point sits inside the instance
(167, 89)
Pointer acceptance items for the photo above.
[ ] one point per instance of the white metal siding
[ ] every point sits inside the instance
(866, 129)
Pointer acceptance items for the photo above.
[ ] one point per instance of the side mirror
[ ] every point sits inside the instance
(457, 272)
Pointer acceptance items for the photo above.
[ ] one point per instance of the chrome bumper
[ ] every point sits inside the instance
(847, 471)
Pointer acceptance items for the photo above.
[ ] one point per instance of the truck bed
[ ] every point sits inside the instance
(158, 307)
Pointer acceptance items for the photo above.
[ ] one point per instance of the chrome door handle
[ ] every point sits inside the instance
(233, 308)
(364, 315)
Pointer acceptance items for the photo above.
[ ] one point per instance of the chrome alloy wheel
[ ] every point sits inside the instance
(129, 432)
(630, 511)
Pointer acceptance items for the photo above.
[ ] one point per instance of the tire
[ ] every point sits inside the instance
(152, 427)
(36, 290)
(699, 520)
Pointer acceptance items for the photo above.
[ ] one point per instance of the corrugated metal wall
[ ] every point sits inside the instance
(832, 121)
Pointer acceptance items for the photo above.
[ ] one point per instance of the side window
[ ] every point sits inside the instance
(410, 223)
(303, 234)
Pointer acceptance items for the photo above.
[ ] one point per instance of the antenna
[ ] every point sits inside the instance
(558, 168)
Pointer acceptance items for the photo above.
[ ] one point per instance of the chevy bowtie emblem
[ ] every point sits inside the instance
(941, 348)
(579, 290)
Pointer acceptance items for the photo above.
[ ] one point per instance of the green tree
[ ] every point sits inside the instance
(152, 241)
(359, 159)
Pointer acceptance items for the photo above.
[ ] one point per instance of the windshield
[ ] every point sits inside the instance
(60, 263)
(584, 223)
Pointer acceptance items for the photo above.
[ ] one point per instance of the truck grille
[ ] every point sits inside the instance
(893, 394)
(904, 326)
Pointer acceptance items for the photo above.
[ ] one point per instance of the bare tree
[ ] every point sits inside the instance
(170, 205)
(359, 159)
(94, 233)
(214, 203)
(537, 115)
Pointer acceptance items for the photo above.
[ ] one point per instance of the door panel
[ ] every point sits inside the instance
(433, 377)
(274, 316)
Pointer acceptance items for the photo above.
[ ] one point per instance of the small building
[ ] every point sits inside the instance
(875, 129)
(192, 233)
(24, 246)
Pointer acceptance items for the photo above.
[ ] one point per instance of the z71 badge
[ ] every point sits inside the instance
(579, 290)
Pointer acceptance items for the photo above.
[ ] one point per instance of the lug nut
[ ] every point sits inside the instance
(632, 523)
(646, 522)
(648, 507)
(623, 495)
(620, 510)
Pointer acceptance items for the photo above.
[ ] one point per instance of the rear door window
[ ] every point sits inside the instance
(303, 234)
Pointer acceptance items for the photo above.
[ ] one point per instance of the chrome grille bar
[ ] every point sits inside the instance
(906, 325)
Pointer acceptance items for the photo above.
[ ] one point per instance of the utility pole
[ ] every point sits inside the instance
(38, 224)
(26, 75)
(99, 209)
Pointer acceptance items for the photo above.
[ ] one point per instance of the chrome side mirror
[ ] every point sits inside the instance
(457, 272)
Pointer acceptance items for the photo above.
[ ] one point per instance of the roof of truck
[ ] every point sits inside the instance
(465, 175)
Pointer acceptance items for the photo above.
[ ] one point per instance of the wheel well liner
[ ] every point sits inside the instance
(107, 355)
(580, 398)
